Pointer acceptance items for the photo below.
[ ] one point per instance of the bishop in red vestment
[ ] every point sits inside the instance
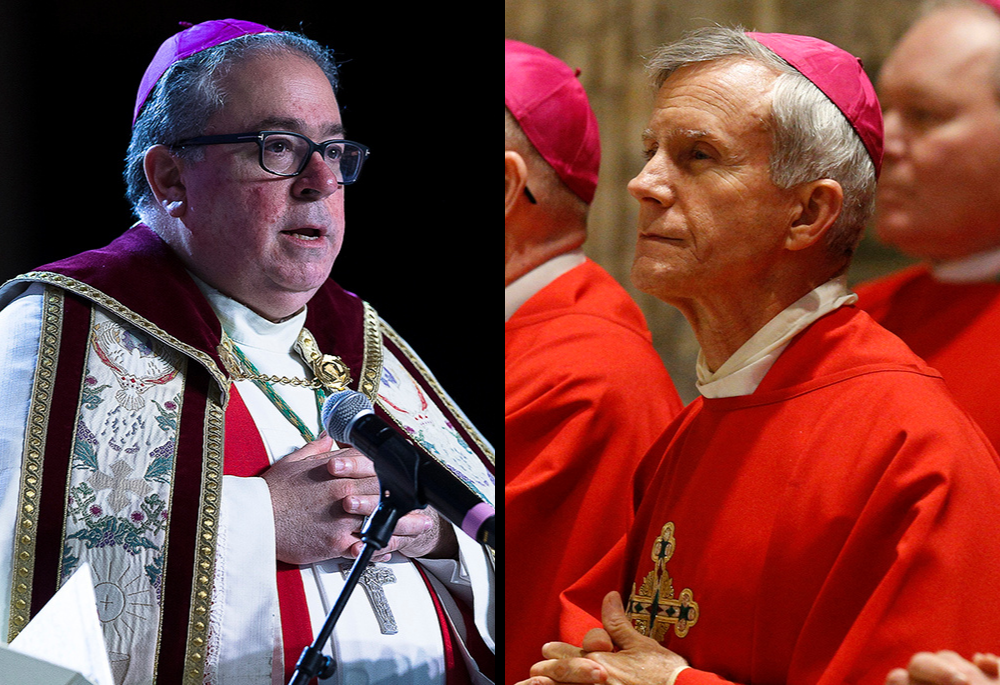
(585, 395)
(816, 516)
(941, 206)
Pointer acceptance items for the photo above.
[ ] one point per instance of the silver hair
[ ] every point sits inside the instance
(190, 92)
(811, 138)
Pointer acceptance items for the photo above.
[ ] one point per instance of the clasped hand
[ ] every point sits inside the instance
(321, 495)
(947, 668)
(616, 654)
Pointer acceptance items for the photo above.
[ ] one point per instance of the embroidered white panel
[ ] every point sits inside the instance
(118, 503)
(403, 398)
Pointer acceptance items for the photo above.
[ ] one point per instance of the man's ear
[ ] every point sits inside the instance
(515, 178)
(818, 206)
(163, 173)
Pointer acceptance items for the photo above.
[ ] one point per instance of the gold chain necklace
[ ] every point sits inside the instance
(331, 375)
(330, 372)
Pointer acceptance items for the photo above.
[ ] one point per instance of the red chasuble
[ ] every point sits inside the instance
(823, 528)
(953, 326)
(585, 395)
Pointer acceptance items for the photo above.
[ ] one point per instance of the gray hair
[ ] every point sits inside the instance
(189, 93)
(811, 138)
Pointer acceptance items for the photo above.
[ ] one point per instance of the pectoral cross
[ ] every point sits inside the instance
(372, 579)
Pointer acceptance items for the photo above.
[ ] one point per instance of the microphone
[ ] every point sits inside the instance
(348, 417)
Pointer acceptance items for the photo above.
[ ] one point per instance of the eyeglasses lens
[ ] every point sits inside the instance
(286, 154)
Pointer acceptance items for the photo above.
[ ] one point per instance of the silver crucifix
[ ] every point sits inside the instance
(372, 579)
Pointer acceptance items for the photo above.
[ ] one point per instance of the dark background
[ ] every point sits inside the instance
(68, 77)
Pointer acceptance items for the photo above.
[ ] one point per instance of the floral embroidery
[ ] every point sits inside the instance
(407, 403)
(162, 464)
(122, 469)
(167, 418)
(84, 450)
(92, 392)
(69, 561)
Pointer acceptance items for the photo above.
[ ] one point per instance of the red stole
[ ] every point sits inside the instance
(246, 456)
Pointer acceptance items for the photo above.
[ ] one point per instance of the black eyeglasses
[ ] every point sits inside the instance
(286, 154)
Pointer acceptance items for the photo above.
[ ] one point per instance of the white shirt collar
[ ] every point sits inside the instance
(743, 372)
(524, 288)
(249, 329)
(982, 266)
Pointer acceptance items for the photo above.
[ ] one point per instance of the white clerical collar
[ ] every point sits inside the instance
(982, 266)
(743, 372)
(522, 290)
(248, 328)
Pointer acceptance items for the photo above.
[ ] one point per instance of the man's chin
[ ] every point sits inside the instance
(653, 277)
(893, 227)
(911, 238)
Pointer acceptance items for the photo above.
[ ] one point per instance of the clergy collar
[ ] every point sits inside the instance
(524, 288)
(248, 328)
(976, 268)
(743, 372)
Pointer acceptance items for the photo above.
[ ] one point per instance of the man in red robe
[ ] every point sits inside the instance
(938, 204)
(818, 514)
(585, 393)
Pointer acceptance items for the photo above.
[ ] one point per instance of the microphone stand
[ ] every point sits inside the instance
(399, 480)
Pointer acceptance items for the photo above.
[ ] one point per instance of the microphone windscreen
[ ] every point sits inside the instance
(340, 410)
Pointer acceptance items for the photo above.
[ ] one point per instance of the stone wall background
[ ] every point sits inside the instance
(607, 39)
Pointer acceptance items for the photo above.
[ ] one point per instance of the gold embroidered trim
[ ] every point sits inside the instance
(23, 566)
(651, 606)
(208, 518)
(123, 312)
(439, 391)
(371, 365)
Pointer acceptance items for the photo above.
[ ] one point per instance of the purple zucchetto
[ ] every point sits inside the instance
(191, 40)
(841, 77)
(546, 98)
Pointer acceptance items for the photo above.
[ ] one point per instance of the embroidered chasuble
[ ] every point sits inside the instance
(821, 529)
(135, 402)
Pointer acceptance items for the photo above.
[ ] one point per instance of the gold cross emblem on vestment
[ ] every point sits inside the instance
(653, 608)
